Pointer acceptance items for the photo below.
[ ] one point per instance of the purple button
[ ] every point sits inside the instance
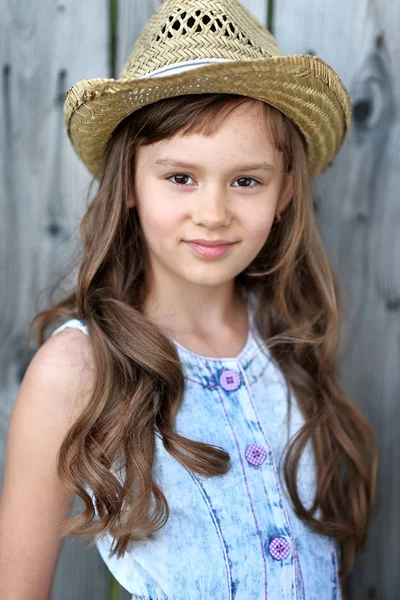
(279, 548)
(229, 380)
(255, 455)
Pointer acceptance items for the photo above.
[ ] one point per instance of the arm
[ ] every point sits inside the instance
(55, 389)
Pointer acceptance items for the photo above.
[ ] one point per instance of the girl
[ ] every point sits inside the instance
(192, 398)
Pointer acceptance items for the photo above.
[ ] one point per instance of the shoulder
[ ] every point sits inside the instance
(68, 350)
(63, 367)
(71, 338)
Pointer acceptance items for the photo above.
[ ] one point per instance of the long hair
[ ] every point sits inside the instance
(138, 388)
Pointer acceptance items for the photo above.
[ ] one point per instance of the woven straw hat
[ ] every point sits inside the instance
(205, 46)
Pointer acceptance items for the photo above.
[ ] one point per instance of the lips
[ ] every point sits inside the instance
(207, 249)
(210, 242)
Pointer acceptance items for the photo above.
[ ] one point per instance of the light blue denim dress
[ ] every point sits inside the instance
(236, 536)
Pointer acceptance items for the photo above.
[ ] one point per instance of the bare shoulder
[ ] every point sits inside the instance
(66, 350)
(64, 364)
(56, 387)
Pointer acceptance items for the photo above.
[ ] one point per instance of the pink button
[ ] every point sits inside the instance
(279, 548)
(229, 380)
(255, 455)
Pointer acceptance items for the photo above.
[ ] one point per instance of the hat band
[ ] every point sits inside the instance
(183, 66)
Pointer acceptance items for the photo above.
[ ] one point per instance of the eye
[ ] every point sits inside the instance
(181, 177)
(178, 176)
(244, 179)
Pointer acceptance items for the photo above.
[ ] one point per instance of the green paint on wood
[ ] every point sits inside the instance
(114, 14)
(270, 16)
(115, 589)
(113, 29)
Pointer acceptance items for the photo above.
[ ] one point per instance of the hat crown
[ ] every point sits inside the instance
(186, 30)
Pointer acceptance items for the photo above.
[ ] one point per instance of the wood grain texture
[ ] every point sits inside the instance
(45, 47)
(359, 219)
(132, 17)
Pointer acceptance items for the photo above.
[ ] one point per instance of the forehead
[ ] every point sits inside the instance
(241, 135)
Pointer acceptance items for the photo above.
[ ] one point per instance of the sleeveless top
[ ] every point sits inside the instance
(235, 536)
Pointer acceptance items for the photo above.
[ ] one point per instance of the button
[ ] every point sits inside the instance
(279, 548)
(229, 380)
(255, 455)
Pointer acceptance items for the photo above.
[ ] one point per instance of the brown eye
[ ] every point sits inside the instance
(246, 180)
(180, 178)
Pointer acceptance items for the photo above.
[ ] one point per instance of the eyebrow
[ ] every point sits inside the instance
(169, 162)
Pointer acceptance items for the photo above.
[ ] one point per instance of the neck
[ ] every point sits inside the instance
(201, 310)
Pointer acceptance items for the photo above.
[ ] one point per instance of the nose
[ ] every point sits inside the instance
(212, 209)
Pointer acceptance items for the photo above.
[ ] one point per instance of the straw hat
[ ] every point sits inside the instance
(205, 46)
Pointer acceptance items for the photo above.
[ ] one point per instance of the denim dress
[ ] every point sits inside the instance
(235, 536)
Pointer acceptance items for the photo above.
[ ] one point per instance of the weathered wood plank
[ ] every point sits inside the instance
(359, 220)
(358, 214)
(45, 47)
(132, 17)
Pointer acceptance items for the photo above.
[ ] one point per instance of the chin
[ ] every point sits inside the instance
(213, 277)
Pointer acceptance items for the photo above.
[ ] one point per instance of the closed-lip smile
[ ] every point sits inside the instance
(210, 243)
(210, 249)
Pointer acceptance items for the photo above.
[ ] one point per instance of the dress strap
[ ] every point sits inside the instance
(75, 324)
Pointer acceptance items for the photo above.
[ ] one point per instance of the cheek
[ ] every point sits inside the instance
(157, 214)
(258, 223)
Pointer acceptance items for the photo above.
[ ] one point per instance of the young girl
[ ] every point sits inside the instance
(192, 398)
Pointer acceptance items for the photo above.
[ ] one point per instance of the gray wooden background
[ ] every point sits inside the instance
(48, 45)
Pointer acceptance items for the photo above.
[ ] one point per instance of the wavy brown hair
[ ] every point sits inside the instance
(139, 389)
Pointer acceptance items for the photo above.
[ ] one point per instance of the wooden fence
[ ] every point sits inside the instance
(48, 45)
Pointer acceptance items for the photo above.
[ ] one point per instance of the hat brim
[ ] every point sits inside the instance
(302, 86)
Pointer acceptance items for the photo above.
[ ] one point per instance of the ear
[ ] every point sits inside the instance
(131, 200)
(286, 194)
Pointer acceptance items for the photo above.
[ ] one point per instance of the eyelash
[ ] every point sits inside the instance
(186, 175)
